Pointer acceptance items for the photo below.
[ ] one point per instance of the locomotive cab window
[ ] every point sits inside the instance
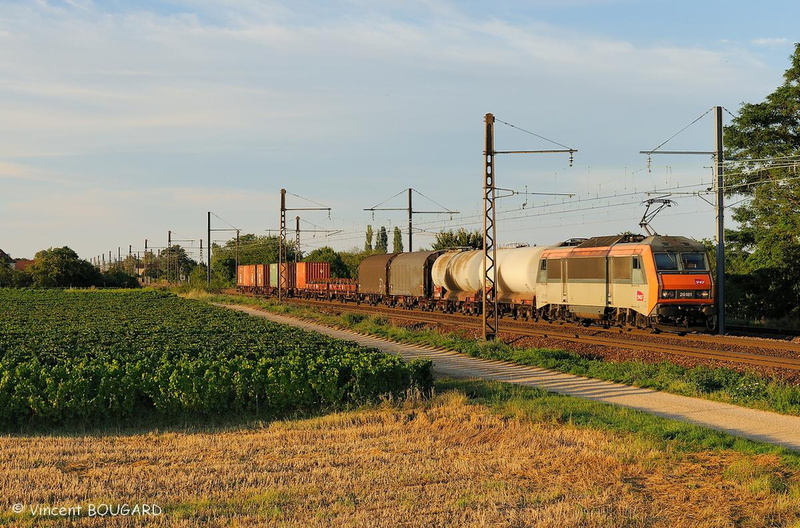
(553, 269)
(621, 269)
(694, 261)
(666, 261)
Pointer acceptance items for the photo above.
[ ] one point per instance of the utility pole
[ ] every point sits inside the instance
(490, 313)
(298, 230)
(169, 254)
(208, 268)
(178, 275)
(719, 184)
(410, 222)
(490, 324)
(210, 230)
(282, 278)
(411, 213)
(296, 237)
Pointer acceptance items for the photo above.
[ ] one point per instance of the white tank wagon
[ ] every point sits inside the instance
(457, 275)
(459, 279)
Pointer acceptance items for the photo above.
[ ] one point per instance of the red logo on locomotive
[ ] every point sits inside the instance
(639, 296)
(699, 282)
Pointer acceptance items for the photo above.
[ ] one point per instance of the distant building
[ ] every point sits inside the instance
(22, 264)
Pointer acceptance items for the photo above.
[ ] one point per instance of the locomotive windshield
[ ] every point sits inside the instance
(666, 261)
(694, 261)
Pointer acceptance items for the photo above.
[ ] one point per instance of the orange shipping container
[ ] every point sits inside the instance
(246, 276)
(312, 271)
(262, 275)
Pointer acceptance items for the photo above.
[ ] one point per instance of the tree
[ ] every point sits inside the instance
(117, 278)
(461, 238)
(176, 263)
(352, 259)
(764, 139)
(327, 254)
(10, 277)
(62, 268)
(397, 243)
(368, 240)
(382, 244)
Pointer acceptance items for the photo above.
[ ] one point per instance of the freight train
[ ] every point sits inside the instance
(624, 280)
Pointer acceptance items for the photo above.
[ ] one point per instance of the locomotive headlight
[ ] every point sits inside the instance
(668, 294)
(704, 294)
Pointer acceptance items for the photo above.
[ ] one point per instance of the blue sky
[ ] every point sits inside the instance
(123, 120)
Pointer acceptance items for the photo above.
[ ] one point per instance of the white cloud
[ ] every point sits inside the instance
(771, 42)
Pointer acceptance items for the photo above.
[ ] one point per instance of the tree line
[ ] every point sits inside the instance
(62, 268)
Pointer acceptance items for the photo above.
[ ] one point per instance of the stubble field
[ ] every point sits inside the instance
(442, 462)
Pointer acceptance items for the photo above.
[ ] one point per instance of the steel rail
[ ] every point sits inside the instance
(606, 338)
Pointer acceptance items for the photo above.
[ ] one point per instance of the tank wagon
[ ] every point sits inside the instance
(625, 280)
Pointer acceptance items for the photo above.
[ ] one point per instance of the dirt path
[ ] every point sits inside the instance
(757, 425)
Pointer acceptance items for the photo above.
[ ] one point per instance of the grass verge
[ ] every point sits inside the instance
(719, 384)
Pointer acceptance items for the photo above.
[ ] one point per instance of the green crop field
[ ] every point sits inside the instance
(95, 356)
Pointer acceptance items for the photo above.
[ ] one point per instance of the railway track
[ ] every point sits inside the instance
(726, 349)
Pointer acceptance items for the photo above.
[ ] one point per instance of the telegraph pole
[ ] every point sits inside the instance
(208, 267)
(490, 324)
(169, 254)
(411, 213)
(719, 184)
(298, 230)
(491, 320)
(282, 278)
(296, 237)
(210, 244)
(410, 222)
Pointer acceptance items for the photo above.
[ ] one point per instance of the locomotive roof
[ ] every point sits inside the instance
(656, 241)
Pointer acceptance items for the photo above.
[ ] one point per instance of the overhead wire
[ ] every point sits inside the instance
(532, 133)
(681, 130)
